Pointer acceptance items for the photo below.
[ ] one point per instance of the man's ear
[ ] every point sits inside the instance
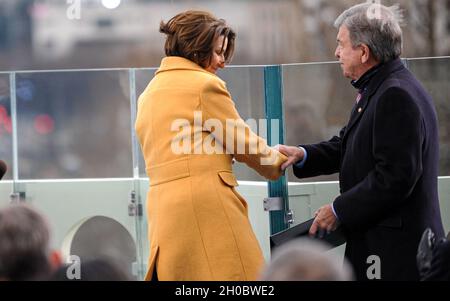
(55, 259)
(365, 56)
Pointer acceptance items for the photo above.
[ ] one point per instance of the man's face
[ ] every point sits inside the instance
(350, 57)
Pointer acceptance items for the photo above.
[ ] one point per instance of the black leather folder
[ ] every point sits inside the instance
(334, 239)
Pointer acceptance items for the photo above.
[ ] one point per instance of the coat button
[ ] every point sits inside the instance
(359, 110)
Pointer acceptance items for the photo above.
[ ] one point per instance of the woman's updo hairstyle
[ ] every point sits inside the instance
(192, 34)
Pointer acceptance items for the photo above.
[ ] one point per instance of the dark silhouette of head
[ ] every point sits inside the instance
(24, 244)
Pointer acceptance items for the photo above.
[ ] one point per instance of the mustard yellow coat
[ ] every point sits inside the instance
(198, 223)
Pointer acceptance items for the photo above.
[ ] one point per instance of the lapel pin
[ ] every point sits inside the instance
(359, 110)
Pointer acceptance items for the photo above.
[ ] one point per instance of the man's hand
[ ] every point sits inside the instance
(325, 221)
(293, 153)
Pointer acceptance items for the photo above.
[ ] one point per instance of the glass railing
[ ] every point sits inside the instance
(73, 124)
(434, 74)
(317, 100)
(68, 139)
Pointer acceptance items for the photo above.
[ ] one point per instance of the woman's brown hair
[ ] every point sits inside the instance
(192, 34)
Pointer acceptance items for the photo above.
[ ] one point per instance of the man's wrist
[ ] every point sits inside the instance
(302, 158)
(301, 154)
(334, 211)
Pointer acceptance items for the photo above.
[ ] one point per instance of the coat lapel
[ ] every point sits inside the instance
(379, 78)
(357, 113)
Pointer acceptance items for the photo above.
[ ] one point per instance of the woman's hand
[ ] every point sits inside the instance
(294, 154)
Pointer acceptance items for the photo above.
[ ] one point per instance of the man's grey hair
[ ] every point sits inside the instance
(376, 26)
(306, 260)
(24, 243)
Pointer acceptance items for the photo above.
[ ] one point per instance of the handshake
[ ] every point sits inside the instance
(325, 219)
(293, 153)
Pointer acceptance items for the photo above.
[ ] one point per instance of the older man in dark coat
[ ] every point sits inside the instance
(387, 156)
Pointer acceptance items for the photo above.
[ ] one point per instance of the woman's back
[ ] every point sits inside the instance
(167, 109)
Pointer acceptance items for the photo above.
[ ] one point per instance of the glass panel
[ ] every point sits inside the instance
(143, 78)
(246, 86)
(74, 124)
(317, 104)
(434, 74)
(6, 125)
(6, 130)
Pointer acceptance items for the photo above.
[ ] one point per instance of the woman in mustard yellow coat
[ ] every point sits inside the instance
(190, 131)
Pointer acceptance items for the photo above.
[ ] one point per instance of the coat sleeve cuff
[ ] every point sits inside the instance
(302, 163)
